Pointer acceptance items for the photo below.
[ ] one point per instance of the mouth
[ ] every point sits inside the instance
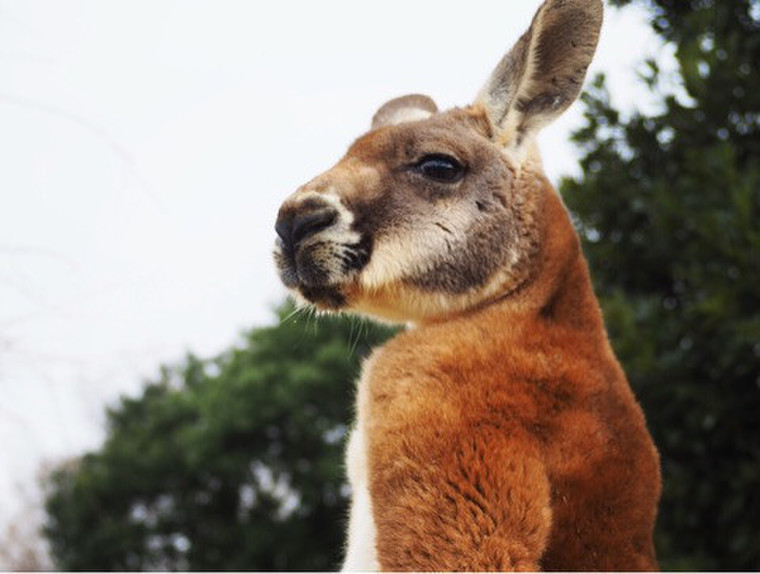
(325, 298)
(321, 271)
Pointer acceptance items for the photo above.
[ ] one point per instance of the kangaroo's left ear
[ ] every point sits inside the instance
(543, 73)
(404, 109)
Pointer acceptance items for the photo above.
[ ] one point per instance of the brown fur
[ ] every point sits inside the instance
(508, 438)
(499, 431)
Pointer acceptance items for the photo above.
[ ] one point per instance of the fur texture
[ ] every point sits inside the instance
(499, 431)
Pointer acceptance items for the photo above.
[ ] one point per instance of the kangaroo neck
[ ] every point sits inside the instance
(559, 290)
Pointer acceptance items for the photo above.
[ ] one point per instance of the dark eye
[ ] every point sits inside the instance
(441, 168)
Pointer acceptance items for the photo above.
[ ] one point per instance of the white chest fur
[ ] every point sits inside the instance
(361, 555)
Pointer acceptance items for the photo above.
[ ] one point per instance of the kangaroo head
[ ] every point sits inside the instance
(431, 213)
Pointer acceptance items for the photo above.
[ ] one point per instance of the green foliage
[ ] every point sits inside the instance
(229, 464)
(668, 207)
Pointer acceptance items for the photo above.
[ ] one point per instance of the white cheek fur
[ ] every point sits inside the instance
(414, 250)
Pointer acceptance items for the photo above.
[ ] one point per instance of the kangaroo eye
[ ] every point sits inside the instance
(441, 168)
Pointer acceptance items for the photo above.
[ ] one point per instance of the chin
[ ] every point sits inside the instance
(328, 298)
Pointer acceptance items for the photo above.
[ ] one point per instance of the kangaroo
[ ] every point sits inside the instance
(498, 431)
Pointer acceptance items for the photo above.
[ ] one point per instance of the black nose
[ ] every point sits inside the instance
(294, 227)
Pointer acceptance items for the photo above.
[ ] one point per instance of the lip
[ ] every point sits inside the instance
(285, 262)
(306, 282)
(327, 297)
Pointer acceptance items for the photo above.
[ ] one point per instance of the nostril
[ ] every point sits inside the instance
(284, 227)
(309, 223)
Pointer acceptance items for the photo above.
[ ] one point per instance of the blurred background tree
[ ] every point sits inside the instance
(228, 464)
(235, 463)
(668, 207)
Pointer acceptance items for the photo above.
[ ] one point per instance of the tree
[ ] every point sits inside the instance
(668, 208)
(229, 464)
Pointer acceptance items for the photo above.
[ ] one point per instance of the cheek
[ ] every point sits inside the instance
(471, 260)
(415, 243)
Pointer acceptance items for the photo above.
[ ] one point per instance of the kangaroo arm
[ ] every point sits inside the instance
(474, 500)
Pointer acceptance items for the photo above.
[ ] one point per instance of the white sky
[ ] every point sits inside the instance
(145, 146)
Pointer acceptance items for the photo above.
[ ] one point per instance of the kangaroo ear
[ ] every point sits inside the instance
(404, 109)
(543, 73)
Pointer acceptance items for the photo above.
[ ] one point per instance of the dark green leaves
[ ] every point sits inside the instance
(229, 464)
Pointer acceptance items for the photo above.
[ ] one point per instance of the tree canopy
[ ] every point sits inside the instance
(234, 463)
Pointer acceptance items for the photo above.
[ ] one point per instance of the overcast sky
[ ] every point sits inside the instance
(145, 146)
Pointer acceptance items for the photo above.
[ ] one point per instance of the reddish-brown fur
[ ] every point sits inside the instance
(508, 438)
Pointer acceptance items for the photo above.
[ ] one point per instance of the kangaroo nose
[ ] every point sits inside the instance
(294, 227)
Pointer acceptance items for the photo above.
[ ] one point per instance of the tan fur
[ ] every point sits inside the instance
(498, 432)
